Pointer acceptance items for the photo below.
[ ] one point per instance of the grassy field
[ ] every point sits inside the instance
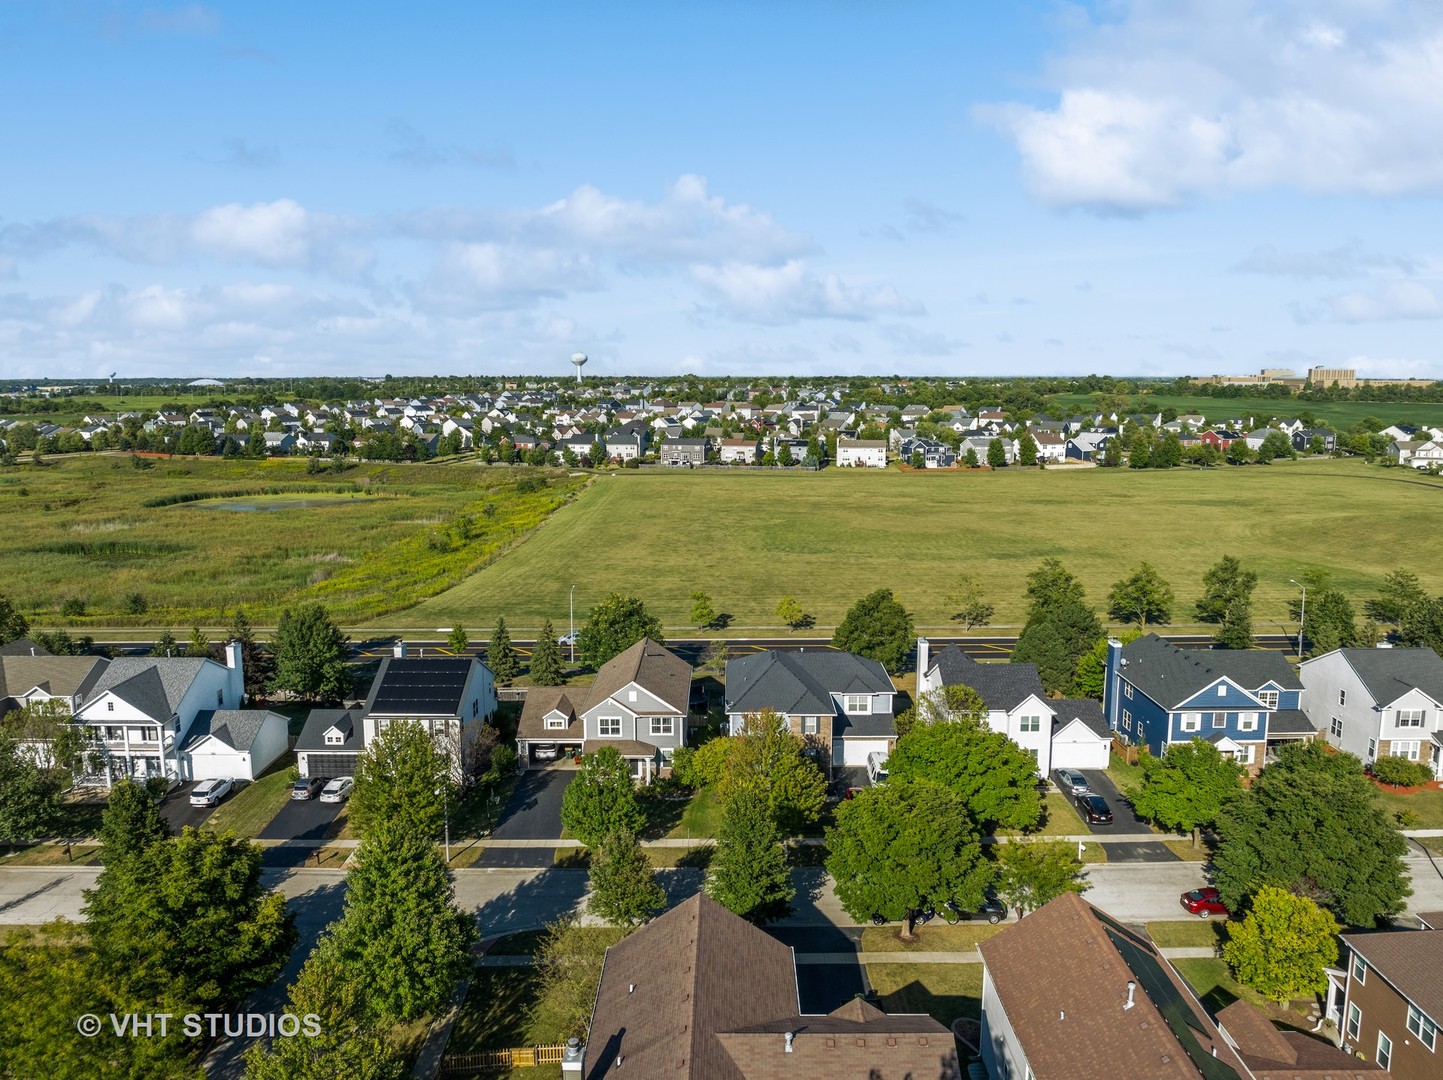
(831, 537)
(1426, 804)
(942, 991)
(1340, 414)
(93, 529)
(1195, 934)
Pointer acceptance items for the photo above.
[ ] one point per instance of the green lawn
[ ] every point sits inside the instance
(496, 1015)
(1427, 804)
(942, 991)
(1211, 982)
(1340, 414)
(700, 817)
(747, 539)
(53, 855)
(1191, 934)
(1128, 778)
(935, 936)
(1058, 819)
(366, 541)
(251, 808)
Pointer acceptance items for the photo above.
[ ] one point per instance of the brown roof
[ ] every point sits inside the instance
(624, 747)
(1288, 1055)
(700, 994)
(1410, 960)
(1431, 920)
(540, 700)
(1062, 975)
(58, 676)
(654, 668)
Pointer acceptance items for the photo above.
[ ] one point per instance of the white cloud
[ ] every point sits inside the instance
(1400, 300)
(1173, 99)
(775, 295)
(411, 146)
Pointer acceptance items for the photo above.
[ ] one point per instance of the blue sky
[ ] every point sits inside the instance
(729, 187)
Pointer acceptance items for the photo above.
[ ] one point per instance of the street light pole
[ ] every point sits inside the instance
(573, 624)
(1302, 617)
(446, 816)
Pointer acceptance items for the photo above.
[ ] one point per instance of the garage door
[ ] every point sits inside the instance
(214, 766)
(855, 751)
(329, 765)
(1092, 754)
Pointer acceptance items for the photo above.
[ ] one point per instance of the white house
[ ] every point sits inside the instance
(143, 708)
(862, 453)
(1378, 702)
(239, 743)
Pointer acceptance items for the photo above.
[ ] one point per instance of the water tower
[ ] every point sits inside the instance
(578, 360)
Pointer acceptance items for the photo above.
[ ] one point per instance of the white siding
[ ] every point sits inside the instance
(1077, 746)
(1001, 1051)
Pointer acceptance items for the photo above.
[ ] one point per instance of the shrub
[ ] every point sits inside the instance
(1406, 819)
(72, 606)
(136, 604)
(1401, 772)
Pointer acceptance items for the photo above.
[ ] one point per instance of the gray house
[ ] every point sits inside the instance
(684, 453)
(1378, 702)
(638, 704)
(840, 703)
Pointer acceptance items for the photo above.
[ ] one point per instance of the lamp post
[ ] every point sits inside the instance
(572, 638)
(1302, 616)
(446, 817)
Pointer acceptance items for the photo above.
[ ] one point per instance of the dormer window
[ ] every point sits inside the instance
(334, 737)
(857, 703)
(1269, 698)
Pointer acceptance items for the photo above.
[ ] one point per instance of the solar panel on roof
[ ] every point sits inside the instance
(428, 686)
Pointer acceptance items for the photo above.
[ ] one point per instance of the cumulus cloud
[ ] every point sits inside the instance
(1350, 260)
(776, 295)
(1158, 101)
(491, 276)
(1399, 300)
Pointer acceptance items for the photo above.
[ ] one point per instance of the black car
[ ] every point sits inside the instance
(1093, 808)
(993, 910)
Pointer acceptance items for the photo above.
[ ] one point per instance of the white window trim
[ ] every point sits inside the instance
(602, 733)
(1412, 718)
(1384, 1057)
(1360, 969)
(1354, 1022)
(1269, 698)
(857, 704)
(1223, 691)
(557, 723)
(1404, 748)
(657, 727)
(1127, 690)
(810, 725)
(1342, 697)
(1191, 721)
(1336, 728)
(1031, 723)
(1422, 1027)
(1248, 722)
(1126, 717)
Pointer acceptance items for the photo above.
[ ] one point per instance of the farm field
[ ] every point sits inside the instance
(195, 537)
(828, 538)
(1340, 414)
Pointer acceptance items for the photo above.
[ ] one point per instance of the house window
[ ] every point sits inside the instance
(663, 725)
(555, 722)
(1342, 697)
(1033, 751)
(114, 734)
(1384, 1056)
(1220, 719)
(1410, 717)
(1247, 721)
(1355, 1021)
(1222, 691)
(475, 708)
(1421, 1026)
(1031, 723)
(334, 738)
(809, 725)
(1407, 750)
(382, 723)
(858, 703)
(1336, 727)
(1190, 721)
(608, 727)
(1360, 969)
(219, 698)
(1127, 690)
(1244, 756)
(110, 706)
(1126, 718)
(631, 695)
(1372, 749)
(1269, 698)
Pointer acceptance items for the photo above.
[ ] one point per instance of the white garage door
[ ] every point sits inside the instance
(214, 766)
(855, 751)
(1091, 754)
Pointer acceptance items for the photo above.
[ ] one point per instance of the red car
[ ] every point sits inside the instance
(1204, 902)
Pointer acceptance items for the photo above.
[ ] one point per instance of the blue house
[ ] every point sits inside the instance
(1241, 700)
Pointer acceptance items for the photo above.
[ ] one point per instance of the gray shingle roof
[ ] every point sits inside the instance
(59, 676)
(1290, 722)
(655, 668)
(237, 728)
(1002, 686)
(154, 685)
(1390, 673)
(313, 735)
(800, 682)
(1084, 709)
(1170, 675)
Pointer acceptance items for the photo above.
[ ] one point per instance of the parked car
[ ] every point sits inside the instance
(568, 639)
(1204, 902)
(876, 766)
(546, 751)
(307, 787)
(210, 792)
(338, 790)
(992, 909)
(853, 792)
(1070, 781)
(1093, 808)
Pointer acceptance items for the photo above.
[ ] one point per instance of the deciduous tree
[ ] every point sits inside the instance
(29, 794)
(1031, 873)
(1283, 946)
(568, 965)
(601, 799)
(500, 656)
(310, 653)
(1186, 789)
(1399, 592)
(792, 613)
(404, 776)
(702, 613)
(1142, 597)
(1026, 449)
(765, 757)
(748, 873)
(624, 889)
(994, 777)
(1090, 673)
(967, 603)
(1227, 600)
(12, 624)
(879, 628)
(1050, 585)
(614, 625)
(546, 665)
(903, 846)
(1054, 639)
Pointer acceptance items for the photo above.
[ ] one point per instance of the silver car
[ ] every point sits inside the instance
(1070, 781)
(338, 790)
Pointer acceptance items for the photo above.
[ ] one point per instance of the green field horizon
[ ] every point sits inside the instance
(747, 538)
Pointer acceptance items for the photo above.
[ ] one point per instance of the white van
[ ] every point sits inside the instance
(877, 766)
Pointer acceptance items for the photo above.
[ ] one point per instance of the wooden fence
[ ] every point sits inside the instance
(500, 1060)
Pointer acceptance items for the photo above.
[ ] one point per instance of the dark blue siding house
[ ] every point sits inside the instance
(1157, 694)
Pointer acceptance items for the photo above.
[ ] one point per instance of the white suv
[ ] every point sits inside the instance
(210, 792)
(877, 766)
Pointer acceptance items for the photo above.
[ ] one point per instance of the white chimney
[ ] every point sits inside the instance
(399, 651)
(233, 655)
(1131, 986)
(924, 654)
(572, 1057)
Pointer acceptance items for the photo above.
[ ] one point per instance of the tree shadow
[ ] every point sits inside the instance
(532, 904)
(721, 622)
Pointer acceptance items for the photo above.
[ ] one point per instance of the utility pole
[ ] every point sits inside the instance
(1302, 617)
(573, 626)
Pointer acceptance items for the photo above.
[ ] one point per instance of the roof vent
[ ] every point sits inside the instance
(1131, 986)
(789, 1037)
(631, 989)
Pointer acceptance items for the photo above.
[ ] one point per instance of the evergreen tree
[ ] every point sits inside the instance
(1026, 449)
(256, 664)
(458, 639)
(401, 935)
(970, 459)
(12, 623)
(310, 653)
(748, 873)
(996, 454)
(500, 656)
(1055, 639)
(165, 645)
(624, 889)
(131, 822)
(546, 665)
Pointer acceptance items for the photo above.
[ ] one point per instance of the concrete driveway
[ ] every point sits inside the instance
(1124, 823)
(534, 810)
(178, 813)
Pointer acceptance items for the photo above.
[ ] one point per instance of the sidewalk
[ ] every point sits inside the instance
(958, 956)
